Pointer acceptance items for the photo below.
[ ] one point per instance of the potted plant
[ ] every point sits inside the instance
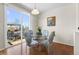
(39, 31)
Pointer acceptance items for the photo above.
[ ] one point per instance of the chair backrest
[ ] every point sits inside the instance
(51, 37)
(28, 36)
(45, 33)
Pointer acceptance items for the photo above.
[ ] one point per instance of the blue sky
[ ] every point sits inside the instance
(14, 17)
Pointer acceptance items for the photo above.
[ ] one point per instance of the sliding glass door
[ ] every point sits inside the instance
(16, 24)
(25, 27)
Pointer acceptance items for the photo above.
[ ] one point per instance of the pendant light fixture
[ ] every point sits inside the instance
(35, 11)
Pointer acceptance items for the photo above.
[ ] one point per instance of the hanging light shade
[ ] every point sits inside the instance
(35, 11)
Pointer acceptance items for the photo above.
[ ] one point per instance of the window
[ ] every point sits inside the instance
(14, 18)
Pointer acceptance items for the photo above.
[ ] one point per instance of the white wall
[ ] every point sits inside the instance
(2, 40)
(65, 23)
(77, 17)
(76, 49)
(33, 23)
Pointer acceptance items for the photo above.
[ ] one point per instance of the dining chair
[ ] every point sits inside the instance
(29, 41)
(49, 41)
(28, 37)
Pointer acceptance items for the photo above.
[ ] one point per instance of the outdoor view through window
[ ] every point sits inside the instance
(14, 23)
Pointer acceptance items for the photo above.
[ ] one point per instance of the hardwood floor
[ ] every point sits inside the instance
(55, 49)
(62, 49)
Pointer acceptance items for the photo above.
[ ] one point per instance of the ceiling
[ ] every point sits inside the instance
(42, 7)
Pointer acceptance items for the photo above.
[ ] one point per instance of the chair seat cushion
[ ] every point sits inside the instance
(33, 42)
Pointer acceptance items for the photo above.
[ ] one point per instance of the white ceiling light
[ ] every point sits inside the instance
(35, 11)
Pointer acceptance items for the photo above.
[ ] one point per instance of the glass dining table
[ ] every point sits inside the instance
(39, 39)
